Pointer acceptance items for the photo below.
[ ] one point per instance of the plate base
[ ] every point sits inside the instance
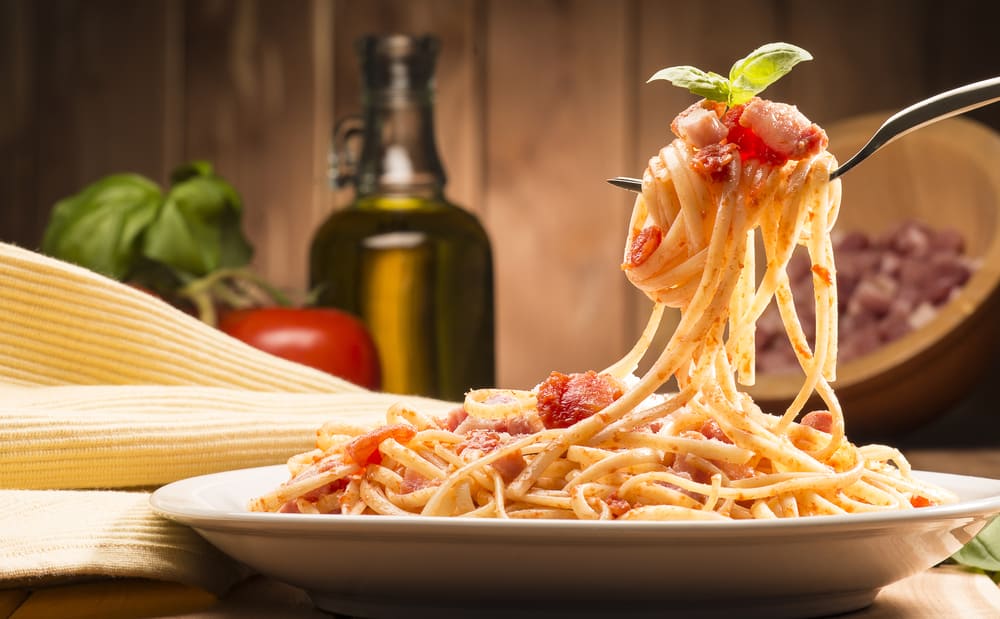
(804, 607)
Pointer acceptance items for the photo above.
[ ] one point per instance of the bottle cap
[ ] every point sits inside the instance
(398, 62)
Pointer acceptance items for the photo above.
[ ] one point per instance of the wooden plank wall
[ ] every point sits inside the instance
(539, 100)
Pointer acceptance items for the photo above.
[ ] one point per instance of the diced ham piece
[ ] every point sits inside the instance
(454, 418)
(322, 491)
(734, 471)
(853, 240)
(481, 440)
(617, 505)
(896, 322)
(860, 342)
(364, 449)
(948, 241)
(292, 507)
(509, 466)
(911, 239)
(564, 399)
(874, 294)
(413, 481)
(699, 125)
(683, 472)
(685, 466)
(818, 420)
(711, 429)
(473, 424)
(946, 274)
(784, 129)
(518, 424)
(524, 424)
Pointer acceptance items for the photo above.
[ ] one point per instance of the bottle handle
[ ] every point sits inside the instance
(342, 159)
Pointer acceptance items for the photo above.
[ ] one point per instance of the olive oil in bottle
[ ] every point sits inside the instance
(415, 267)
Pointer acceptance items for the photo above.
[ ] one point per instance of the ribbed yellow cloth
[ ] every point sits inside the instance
(132, 436)
(102, 533)
(105, 392)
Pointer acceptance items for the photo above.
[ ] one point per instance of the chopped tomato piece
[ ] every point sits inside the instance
(564, 399)
(750, 144)
(823, 273)
(617, 505)
(644, 244)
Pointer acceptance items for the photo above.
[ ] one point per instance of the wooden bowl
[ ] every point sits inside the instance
(945, 175)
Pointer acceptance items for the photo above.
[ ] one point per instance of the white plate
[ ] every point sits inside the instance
(372, 566)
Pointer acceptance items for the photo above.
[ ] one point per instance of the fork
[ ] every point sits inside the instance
(944, 105)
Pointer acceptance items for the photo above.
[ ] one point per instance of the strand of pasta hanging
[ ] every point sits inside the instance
(741, 172)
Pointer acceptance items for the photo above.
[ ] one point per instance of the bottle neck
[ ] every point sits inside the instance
(399, 156)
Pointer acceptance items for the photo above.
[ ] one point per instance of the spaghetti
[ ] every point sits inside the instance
(607, 445)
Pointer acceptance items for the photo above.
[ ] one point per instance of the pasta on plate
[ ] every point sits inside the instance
(607, 445)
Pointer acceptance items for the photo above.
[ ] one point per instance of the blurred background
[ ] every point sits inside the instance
(538, 102)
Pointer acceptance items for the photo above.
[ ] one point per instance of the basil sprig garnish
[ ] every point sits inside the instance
(748, 76)
(198, 227)
(102, 226)
(125, 227)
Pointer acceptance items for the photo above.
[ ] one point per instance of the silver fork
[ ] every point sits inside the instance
(945, 105)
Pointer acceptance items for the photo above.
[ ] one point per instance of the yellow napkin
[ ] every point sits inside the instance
(107, 392)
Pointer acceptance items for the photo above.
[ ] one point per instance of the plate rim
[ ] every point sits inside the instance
(164, 502)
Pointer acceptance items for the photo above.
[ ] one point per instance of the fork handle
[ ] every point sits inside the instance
(945, 105)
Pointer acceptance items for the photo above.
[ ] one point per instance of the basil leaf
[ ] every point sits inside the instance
(198, 229)
(983, 551)
(100, 227)
(191, 170)
(709, 85)
(761, 68)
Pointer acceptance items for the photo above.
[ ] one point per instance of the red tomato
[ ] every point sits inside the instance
(323, 338)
